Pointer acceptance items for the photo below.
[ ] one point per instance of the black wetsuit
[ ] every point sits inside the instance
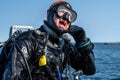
(22, 60)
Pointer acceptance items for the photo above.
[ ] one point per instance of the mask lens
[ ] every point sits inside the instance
(71, 15)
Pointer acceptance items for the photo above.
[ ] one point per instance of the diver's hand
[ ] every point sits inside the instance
(79, 35)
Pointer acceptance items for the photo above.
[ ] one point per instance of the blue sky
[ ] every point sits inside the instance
(99, 18)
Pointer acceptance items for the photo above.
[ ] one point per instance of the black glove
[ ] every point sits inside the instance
(79, 35)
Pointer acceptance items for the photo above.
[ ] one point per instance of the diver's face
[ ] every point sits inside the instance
(61, 23)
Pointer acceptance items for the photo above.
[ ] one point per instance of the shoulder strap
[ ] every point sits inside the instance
(41, 37)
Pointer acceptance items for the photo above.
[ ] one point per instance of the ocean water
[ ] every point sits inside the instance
(107, 60)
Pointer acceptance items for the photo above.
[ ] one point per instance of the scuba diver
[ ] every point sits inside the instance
(43, 53)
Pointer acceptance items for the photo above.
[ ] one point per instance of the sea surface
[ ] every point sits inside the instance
(107, 60)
